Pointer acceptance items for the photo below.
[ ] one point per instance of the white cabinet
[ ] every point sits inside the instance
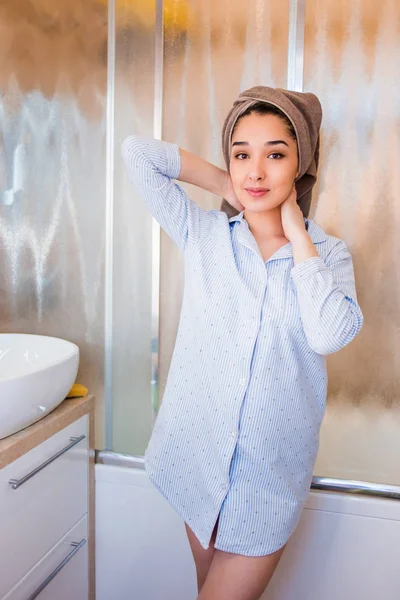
(62, 574)
(44, 519)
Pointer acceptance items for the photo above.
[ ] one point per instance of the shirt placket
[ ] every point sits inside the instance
(254, 322)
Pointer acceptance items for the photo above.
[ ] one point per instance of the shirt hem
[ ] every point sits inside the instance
(205, 545)
(264, 551)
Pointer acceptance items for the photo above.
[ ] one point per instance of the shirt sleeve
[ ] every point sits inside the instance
(327, 297)
(152, 165)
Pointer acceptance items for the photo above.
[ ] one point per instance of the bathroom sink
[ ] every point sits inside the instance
(36, 374)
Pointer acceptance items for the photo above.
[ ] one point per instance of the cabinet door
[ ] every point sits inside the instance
(71, 582)
(42, 509)
(63, 574)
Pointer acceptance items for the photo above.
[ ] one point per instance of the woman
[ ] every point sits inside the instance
(267, 295)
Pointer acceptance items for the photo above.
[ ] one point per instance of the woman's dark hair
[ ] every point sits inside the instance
(264, 108)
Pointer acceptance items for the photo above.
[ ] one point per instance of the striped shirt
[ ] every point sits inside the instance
(238, 429)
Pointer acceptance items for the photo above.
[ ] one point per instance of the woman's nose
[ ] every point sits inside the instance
(256, 172)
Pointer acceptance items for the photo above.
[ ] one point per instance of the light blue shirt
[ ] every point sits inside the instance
(238, 429)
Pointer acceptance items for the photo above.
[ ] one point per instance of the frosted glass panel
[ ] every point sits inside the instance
(52, 176)
(134, 349)
(352, 57)
(213, 51)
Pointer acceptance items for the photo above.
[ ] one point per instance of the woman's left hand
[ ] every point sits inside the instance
(292, 217)
(295, 229)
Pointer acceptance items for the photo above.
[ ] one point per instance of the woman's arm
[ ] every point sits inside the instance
(152, 165)
(327, 297)
(326, 289)
(207, 176)
(197, 171)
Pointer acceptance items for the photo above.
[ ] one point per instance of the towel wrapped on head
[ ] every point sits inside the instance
(304, 111)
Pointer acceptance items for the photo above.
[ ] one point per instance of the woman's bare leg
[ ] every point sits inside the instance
(238, 577)
(202, 558)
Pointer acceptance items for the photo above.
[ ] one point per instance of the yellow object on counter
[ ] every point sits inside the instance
(77, 391)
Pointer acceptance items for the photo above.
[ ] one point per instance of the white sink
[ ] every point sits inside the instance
(36, 374)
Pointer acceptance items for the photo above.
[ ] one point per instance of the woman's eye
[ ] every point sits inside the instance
(274, 155)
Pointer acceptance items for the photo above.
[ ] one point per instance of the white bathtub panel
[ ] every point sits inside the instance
(142, 552)
(346, 547)
(333, 556)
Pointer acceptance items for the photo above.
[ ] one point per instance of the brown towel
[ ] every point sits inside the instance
(305, 112)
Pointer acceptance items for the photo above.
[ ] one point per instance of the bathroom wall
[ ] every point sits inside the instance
(53, 84)
(352, 53)
(75, 241)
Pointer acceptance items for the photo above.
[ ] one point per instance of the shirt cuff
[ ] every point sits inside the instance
(174, 162)
(307, 268)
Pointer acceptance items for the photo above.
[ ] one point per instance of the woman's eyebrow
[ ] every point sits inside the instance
(271, 143)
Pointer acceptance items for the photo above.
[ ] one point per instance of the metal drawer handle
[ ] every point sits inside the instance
(16, 483)
(76, 547)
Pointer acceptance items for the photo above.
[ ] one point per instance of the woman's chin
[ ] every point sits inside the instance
(259, 205)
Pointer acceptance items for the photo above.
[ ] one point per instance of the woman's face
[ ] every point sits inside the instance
(263, 162)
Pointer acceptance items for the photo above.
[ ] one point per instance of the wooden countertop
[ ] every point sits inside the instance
(18, 444)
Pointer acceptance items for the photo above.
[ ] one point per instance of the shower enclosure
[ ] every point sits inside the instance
(204, 53)
(81, 258)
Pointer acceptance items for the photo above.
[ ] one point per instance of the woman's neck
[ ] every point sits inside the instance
(265, 225)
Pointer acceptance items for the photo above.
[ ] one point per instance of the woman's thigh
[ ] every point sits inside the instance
(239, 577)
(202, 558)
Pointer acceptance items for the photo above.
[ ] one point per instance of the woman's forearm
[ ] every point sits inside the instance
(199, 172)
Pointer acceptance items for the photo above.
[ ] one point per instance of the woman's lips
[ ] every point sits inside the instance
(257, 191)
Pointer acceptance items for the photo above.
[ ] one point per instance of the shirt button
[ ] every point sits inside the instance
(233, 434)
(242, 381)
(224, 487)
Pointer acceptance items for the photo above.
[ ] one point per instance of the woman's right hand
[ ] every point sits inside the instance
(229, 194)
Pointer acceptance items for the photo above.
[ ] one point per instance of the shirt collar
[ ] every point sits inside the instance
(314, 231)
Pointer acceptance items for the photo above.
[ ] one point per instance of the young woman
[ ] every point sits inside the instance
(267, 295)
